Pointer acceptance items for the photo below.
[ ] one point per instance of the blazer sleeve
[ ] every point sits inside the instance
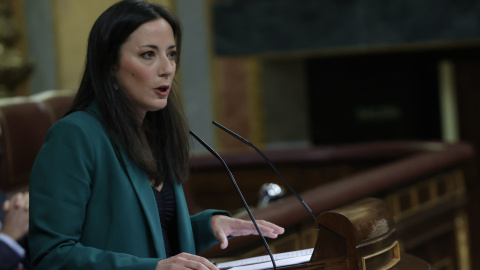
(60, 187)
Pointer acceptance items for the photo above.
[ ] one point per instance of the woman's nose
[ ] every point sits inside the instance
(166, 67)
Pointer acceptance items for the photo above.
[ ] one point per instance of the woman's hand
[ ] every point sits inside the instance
(15, 223)
(185, 261)
(223, 226)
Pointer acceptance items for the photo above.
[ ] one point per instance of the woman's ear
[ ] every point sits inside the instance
(114, 69)
(113, 72)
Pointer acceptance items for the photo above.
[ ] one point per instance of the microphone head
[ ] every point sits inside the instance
(268, 193)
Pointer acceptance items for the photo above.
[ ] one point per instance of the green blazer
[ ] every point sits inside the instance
(93, 208)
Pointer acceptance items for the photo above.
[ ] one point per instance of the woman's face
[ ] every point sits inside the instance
(147, 66)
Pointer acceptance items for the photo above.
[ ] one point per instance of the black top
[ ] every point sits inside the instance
(168, 217)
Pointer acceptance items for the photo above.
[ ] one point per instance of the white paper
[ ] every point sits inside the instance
(265, 262)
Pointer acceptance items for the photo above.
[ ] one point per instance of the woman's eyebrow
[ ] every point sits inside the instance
(155, 47)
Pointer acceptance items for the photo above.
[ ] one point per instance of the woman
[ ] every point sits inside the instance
(106, 188)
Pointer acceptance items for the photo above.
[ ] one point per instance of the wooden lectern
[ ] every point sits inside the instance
(359, 236)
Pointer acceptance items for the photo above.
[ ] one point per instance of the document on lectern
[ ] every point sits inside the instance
(264, 262)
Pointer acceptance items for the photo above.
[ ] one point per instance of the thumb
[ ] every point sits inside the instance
(222, 238)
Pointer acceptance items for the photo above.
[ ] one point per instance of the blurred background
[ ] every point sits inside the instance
(291, 73)
(329, 88)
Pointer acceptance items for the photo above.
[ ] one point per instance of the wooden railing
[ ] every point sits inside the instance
(424, 184)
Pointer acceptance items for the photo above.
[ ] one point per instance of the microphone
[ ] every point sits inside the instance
(239, 194)
(269, 162)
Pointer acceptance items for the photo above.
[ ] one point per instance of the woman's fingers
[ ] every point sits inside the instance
(223, 226)
(185, 261)
(267, 229)
(275, 228)
(6, 205)
(19, 200)
(26, 204)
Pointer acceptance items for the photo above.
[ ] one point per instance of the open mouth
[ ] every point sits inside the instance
(163, 89)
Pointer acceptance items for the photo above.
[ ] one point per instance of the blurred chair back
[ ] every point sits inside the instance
(25, 122)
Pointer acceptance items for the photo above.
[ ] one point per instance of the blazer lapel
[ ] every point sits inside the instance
(141, 185)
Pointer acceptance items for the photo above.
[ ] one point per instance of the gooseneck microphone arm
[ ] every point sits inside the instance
(269, 162)
(239, 193)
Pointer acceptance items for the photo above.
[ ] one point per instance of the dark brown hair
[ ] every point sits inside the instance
(165, 152)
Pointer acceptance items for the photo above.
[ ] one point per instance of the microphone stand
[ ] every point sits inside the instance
(270, 163)
(239, 193)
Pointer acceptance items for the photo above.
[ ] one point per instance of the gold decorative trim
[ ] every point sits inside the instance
(395, 248)
(461, 235)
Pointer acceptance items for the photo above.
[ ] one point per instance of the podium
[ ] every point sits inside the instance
(358, 236)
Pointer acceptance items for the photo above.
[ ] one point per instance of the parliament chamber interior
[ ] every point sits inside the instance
(370, 112)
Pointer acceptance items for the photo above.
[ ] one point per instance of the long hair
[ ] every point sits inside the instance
(165, 152)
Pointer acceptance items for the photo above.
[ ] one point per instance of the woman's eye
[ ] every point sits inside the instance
(148, 55)
(172, 55)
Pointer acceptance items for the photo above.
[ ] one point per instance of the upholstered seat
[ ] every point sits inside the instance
(25, 122)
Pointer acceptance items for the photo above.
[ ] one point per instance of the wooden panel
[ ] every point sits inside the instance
(425, 188)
